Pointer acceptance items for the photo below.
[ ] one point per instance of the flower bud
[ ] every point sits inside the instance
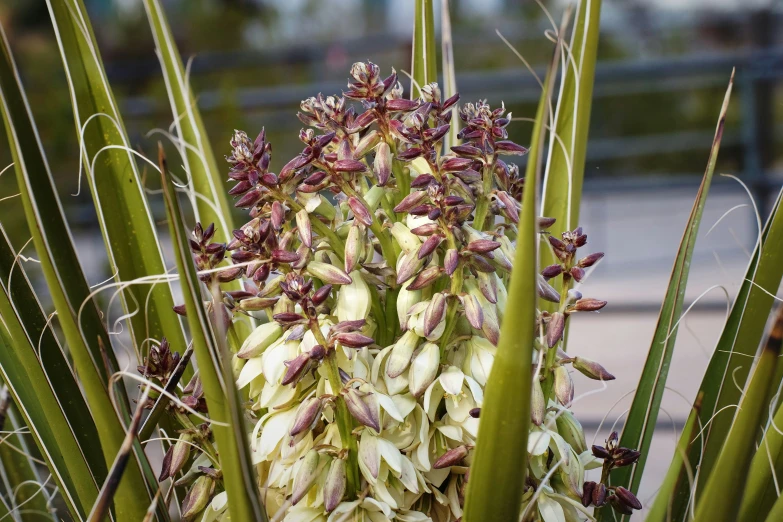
(587, 493)
(407, 240)
(483, 246)
(304, 227)
(591, 369)
(590, 260)
(425, 278)
(383, 163)
(411, 200)
(545, 291)
(305, 476)
(349, 165)
(555, 328)
(627, 498)
(552, 271)
(451, 458)
(360, 212)
(429, 246)
(537, 403)
(321, 295)
(600, 452)
(488, 286)
(353, 248)
(564, 386)
(598, 495)
(451, 261)
(473, 311)
(306, 416)
(328, 273)
(435, 313)
(408, 265)
(296, 369)
(571, 430)
(255, 304)
(405, 300)
(423, 368)
(284, 256)
(353, 300)
(353, 339)
(400, 355)
(198, 497)
(334, 487)
(259, 340)
(626, 459)
(360, 410)
(588, 304)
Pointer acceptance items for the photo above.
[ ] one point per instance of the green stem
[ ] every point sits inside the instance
(343, 416)
(456, 289)
(482, 205)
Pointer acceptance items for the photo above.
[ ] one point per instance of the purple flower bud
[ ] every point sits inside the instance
(287, 317)
(434, 313)
(422, 180)
(409, 266)
(451, 458)
(426, 230)
(555, 328)
(545, 222)
(577, 273)
(590, 260)
(475, 413)
(334, 487)
(306, 416)
(425, 278)
(473, 311)
(455, 164)
(284, 256)
(600, 452)
(451, 261)
(360, 410)
(488, 286)
(361, 212)
(599, 495)
(627, 498)
(353, 339)
(179, 310)
(587, 493)
(401, 104)
(383, 163)
(328, 273)
(410, 154)
(588, 304)
(429, 246)
(552, 271)
(321, 294)
(483, 246)
(510, 208)
(295, 369)
(467, 150)
(349, 165)
(591, 369)
(509, 147)
(545, 291)
(411, 200)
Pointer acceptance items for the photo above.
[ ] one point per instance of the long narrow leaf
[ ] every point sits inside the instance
(211, 205)
(497, 473)
(123, 214)
(562, 184)
(17, 469)
(719, 503)
(741, 334)
(767, 463)
(449, 72)
(76, 311)
(639, 427)
(424, 66)
(214, 366)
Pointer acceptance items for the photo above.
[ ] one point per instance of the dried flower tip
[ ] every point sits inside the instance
(451, 458)
(591, 369)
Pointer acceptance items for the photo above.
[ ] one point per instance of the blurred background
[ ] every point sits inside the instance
(664, 66)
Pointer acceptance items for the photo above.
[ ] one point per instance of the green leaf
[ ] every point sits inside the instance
(661, 510)
(760, 489)
(640, 424)
(776, 513)
(746, 323)
(449, 73)
(214, 363)
(123, 213)
(77, 313)
(17, 468)
(719, 501)
(424, 65)
(497, 473)
(562, 185)
(211, 206)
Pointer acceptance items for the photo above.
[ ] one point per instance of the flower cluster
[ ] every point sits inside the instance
(377, 261)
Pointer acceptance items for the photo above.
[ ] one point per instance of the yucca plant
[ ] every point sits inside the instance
(396, 291)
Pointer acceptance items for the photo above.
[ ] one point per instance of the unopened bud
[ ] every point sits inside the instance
(334, 487)
(628, 458)
(599, 495)
(360, 410)
(429, 246)
(552, 271)
(306, 416)
(555, 328)
(451, 261)
(571, 430)
(198, 497)
(452, 457)
(475, 413)
(383, 163)
(180, 454)
(587, 493)
(259, 340)
(305, 476)
(590, 260)
(320, 295)
(564, 386)
(537, 403)
(545, 291)
(408, 265)
(591, 369)
(588, 304)
(328, 273)
(353, 248)
(423, 368)
(360, 212)
(411, 200)
(627, 498)
(425, 278)
(473, 311)
(353, 339)
(405, 300)
(400, 355)
(434, 313)
(600, 452)
(295, 369)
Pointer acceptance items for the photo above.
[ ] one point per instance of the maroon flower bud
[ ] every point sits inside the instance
(361, 212)
(434, 213)
(587, 493)
(360, 410)
(410, 154)
(555, 328)
(451, 261)
(469, 175)
(349, 165)
(590, 260)
(401, 104)
(577, 273)
(450, 201)
(429, 246)
(284, 256)
(422, 180)
(317, 352)
(552, 271)
(353, 339)
(321, 294)
(591, 369)
(383, 163)
(287, 318)
(627, 498)
(475, 413)
(411, 200)
(306, 416)
(467, 150)
(600, 452)
(296, 369)
(599, 495)
(426, 230)
(455, 164)
(180, 310)
(451, 458)
(434, 313)
(510, 208)
(588, 304)
(483, 246)
(628, 458)
(509, 147)
(545, 222)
